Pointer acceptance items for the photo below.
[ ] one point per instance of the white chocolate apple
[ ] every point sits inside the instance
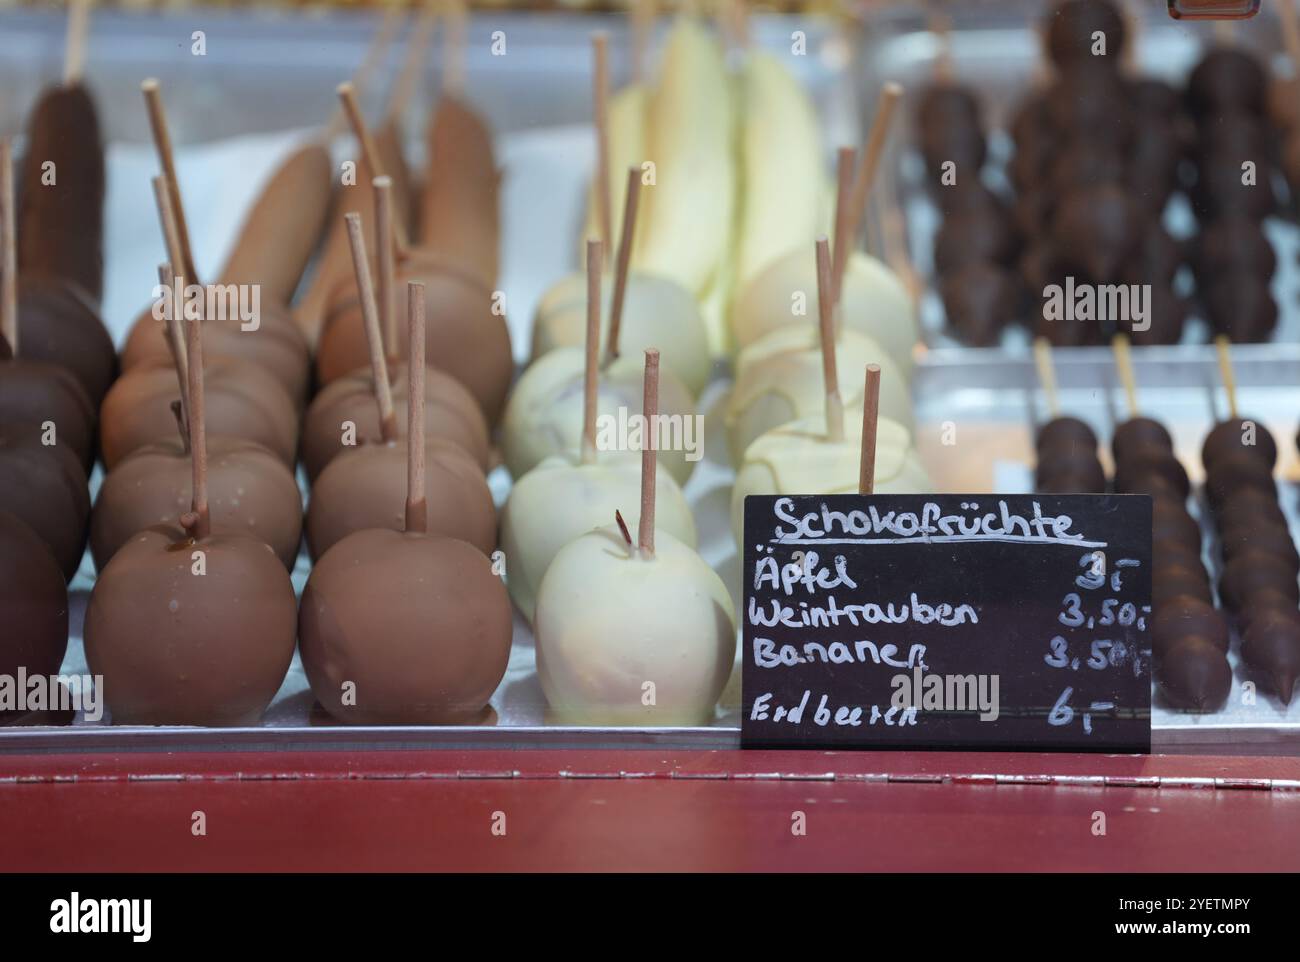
(873, 301)
(562, 499)
(780, 380)
(799, 458)
(624, 639)
(544, 414)
(657, 312)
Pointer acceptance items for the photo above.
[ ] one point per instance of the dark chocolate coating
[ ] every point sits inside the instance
(1234, 473)
(33, 604)
(1227, 79)
(45, 487)
(58, 324)
(972, 237)
(1067, 482)
(34, 392)
(366, 488)
(1174, 580)
(1070, 28)
(1090, 101)
(1140, 437)
(1156, 258)
(1168, 318)
(1194, 675)
(1265, 605)
(179, 648)
(1066, 431)
(1166, 553)
(942, 104)
(1080, 466)
(61, 225)
(1272, 647)
(1179, 617)
(1249, 507)
(1262, 536)
(980, 300)
(1219, 191)
(1171, 521)
(1130, 473)
(1229, 437)
(1241, 306)
(1096, 231)
(1087, 165)
(1230, 244)
(418, 624)
(1251, 571)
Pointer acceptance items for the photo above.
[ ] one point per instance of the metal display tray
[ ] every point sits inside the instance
(989, 396)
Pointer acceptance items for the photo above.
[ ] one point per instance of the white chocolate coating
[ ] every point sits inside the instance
(779, 380)
(657, 312)
(873, 301)
(610, 623)
(544, 414)
(799, 458)
(561, 499)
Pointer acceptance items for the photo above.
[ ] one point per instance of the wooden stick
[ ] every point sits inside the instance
(940, 24)
(1223, 347)
(374, 55)
(826, 321)
(74, 44)
(870, 419)
(623, 265)
(649, 457)
(590, 370)
(182, 426)
(1290, 34)
(1124, 364)
(175, 332)
(385, 242)
(369, 152)
(171, 236)
(844, 158)
(642, 13)
(600, 120)
(162, 141)
(198, 522)
(370, 319)
(1133, 25)
(869, 161)
(417, 511)
(1047, 374)
(417, 55)
(8, 249)
(453, 48)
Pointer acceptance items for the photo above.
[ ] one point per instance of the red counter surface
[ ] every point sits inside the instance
(647, 810)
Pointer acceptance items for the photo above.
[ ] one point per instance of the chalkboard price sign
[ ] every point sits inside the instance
(947, 621)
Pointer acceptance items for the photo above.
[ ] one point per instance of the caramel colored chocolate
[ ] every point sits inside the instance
(366, 488)
(33, 604)
(463, 335)
(243, 401)
(45, 488)
(416, 627)
(58, 324)
(450, 414)
(180, 648)
(250, 490)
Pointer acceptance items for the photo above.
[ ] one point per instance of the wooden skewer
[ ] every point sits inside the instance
(417, 55)
(844, 158)
(940, 24)
(826, 321)
(171, 235)
(162, 140)
(1223, 347)
(370, 319)
(385, 242)
(417, 510)
(453, 48)
(870, 420)
(623, 264)
(374, 54)
(1047, 374)
(642, 13)
(1290, 34)
(369, 152)
(590, 370)
(649, 458)
(74, 44)
(176, 343)
(1124, 364)
(8, 249)
(869, 161)
(199, 521)
(600, 119)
